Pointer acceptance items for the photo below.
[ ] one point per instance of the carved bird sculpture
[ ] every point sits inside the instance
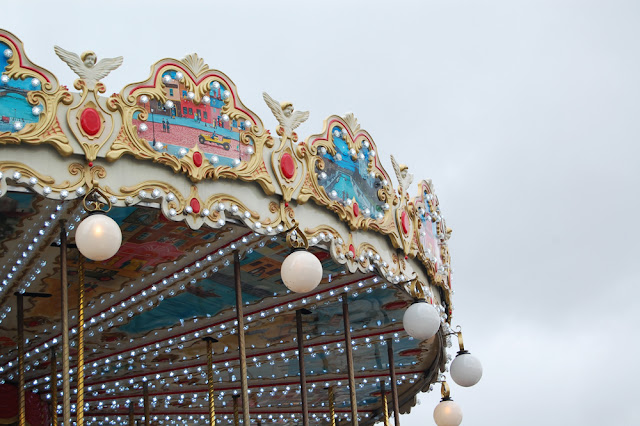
(402, 173)
(284, 113)
(86, 66)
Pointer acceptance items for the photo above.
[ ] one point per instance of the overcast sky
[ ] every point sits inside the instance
(526, 115)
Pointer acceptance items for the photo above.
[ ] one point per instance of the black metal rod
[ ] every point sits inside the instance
(147, 410)
(131, 415)
(347, 341)
(303, 374)
(394, 387)
(241, 345)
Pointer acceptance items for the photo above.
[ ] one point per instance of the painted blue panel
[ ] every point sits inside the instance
(15, 111)
(348, 179)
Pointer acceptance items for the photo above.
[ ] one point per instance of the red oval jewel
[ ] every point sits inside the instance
(356, 209)
(352, 249)
(90, 121)
(197, 159)
(287, 166)
(195, 205)
(404, 219)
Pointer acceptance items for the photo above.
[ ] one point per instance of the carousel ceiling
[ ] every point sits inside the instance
(193, 179)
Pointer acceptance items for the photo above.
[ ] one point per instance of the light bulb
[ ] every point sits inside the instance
(301, 271)
(98, 237)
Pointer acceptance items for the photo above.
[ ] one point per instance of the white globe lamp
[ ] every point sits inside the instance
(98, 237)
(447, 413)
(421, 321)
(301, 271)
(466, 369)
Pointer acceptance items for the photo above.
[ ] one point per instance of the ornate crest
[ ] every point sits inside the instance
(286, 162)
(404, 214)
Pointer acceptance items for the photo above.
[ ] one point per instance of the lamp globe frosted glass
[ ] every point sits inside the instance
(301, 271)
(466, 369)
(447, 413)
(421, 321)
(98, 237)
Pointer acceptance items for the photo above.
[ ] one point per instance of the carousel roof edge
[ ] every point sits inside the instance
(185, 129)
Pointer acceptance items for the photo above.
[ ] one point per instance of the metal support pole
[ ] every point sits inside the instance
(54, 387)
(241, 345)
(212, 409)
(236, 417)
(332, 409)
(66, 389)
(303, 374)
(145, 395)
(394, 388)
(347, 341)
(80, 367)
(131, 416)
(385, 405)
(22, 410)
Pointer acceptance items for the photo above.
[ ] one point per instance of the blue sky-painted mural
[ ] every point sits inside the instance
(15, 111)
(348, 179)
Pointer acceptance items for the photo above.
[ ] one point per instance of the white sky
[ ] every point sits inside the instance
(524, 113)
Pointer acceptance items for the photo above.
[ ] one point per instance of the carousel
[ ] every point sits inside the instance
(165, 259)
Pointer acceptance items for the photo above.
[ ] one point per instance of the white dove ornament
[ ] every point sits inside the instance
(86, 65)
(288, 119)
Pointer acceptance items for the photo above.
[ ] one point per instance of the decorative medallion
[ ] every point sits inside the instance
(287, 166)
(197, 159)
(195, 205)
(91, 122)
(404, 220)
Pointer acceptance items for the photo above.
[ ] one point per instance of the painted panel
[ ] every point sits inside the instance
(15, 110)
(180, 123)
(345, 178)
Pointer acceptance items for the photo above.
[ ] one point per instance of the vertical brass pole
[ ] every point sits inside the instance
(332, 409)
(241, 346)
(22, 404)
(54, 388)
(385, 405)
(145, 396)
(394, 388)
(131, 415)
(303, 374)
(347, 341)
(22, 407)
(212, 409)
(66, 397)
(80, 367)
(236, 417)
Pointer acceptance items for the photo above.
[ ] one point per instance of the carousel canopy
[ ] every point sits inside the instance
(203, 193)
